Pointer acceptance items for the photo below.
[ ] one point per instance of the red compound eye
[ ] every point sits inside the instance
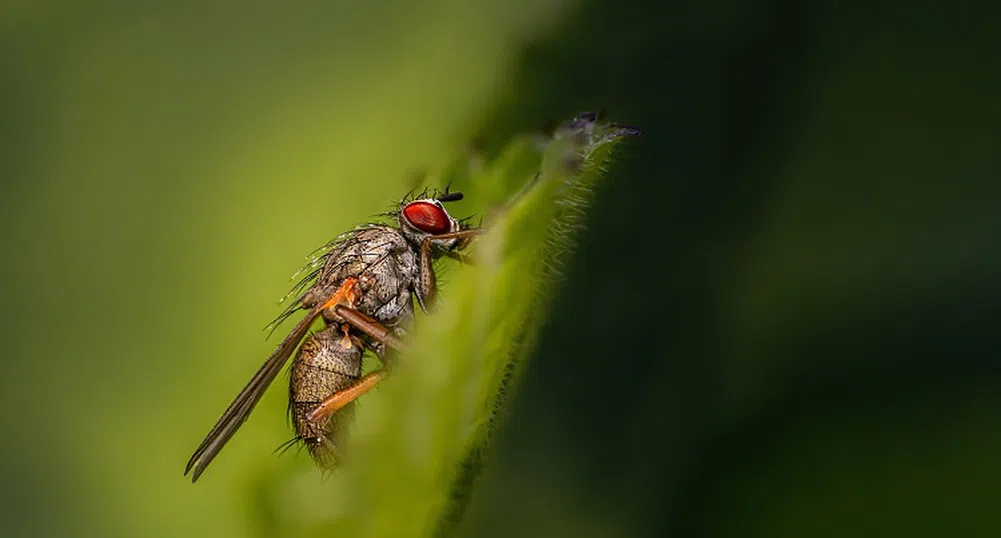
(427, 217)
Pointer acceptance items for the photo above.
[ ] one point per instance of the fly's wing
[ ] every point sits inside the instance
(240, 409)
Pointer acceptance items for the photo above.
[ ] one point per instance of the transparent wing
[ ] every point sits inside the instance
(240, 409)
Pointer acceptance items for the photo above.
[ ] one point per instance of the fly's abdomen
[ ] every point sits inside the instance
(328, 362)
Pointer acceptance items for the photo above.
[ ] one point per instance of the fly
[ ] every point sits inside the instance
(362, 286)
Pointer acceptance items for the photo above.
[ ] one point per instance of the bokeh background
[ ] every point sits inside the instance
(802, 251)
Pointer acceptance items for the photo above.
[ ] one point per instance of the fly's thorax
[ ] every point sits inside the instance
(382, 262)
(357, 254)
(385, 289)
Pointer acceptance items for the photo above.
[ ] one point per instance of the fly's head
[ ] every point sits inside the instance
(427, 217)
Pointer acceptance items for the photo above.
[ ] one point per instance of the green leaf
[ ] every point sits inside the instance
(419, 442)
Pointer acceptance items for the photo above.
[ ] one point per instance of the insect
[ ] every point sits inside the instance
(363, 286)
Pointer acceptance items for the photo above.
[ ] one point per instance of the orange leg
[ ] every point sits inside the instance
(369, 326)
(339, 399)
(341, 301)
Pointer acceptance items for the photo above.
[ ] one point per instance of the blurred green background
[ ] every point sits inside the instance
(802, 249)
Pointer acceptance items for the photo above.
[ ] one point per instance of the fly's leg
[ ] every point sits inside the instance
(377, 332)
(342, 304)
(427, 288)
(343, 397)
